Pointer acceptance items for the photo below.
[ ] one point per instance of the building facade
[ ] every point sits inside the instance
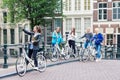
(106, 17)
(12, 33)
(78, 14)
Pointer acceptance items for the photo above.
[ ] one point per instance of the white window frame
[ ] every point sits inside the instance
(78, 5)
(88, 4)
(68, 24)
(78, 25)
(112, 39)
(117, 11)
(102, 12)
(87, 22)
(68, 5)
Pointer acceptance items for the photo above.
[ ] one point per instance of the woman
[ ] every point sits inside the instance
(34, 43)
(71, 39)
(56, 37)
(98, 38)
(88, 35)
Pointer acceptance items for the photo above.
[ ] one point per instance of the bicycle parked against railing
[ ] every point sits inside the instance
(21, 66)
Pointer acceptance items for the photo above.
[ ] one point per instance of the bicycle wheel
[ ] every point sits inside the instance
(54, 55)
(21, 66)
(85, 55)
(41, 63)
(67, 53)
(80, 54)
(92, 58)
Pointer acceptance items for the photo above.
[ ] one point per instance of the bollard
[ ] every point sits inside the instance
(5, 65)
(105, 52)
(112, 53)
(43, 46)
(43, 49)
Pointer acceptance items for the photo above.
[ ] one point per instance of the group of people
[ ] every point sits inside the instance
(97, 38)
(35, 38)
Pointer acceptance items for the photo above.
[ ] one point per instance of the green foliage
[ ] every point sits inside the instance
(33, 10)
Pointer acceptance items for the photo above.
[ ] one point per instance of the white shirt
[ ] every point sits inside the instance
(72, 37)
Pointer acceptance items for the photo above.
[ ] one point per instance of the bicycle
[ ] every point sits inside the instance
(86, 54)
(58, 53)
(21, 66)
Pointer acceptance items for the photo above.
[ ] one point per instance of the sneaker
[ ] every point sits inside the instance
(35, 68)
(97, 60)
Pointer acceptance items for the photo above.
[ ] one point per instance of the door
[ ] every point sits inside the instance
(118, 45)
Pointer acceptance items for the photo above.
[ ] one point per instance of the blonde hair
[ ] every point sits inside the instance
(96, 29)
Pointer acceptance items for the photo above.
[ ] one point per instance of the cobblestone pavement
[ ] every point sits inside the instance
(103, 70)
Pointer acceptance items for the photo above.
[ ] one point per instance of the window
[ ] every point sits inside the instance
(20, 33)
(58, 22)
(5, 36)
(12, 33)
(77, 4)
(87, 23)
(86, 4)
(68, 5)
(118, 30)
(78, 25)
(102, 11)
(5, 17)
(116, 10)
(109, 39)
(68, 24)
(59, 7)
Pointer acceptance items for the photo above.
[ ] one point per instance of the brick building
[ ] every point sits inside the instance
(106, 17)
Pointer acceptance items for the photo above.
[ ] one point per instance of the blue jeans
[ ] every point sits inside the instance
(98, 49)
(86, 44)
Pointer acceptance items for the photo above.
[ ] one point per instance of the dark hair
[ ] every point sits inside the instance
(38, 29)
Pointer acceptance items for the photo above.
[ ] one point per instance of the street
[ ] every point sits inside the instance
(103, 70)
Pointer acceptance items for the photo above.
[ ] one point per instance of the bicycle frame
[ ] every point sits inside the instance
(26, 57)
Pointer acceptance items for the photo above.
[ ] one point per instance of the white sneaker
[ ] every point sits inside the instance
(35, 68)
(98, 59)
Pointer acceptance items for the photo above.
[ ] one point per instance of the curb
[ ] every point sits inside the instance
(49, 65)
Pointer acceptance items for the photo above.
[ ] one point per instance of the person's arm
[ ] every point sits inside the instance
(93, 38)
(28, 32)
(83, 36)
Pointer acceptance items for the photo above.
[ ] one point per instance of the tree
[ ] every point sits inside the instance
(33, 10)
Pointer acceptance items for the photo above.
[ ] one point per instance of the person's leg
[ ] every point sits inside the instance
(98, 49)
(35, 57)
(30, 51)
(70, 43)
(85, 45)
(73, 47)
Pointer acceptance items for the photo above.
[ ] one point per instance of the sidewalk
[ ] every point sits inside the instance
(10, 71)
